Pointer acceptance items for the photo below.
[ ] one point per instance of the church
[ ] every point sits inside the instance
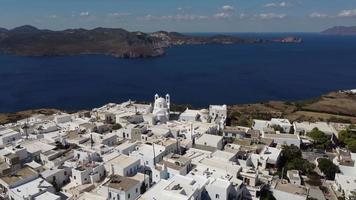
(161, 109)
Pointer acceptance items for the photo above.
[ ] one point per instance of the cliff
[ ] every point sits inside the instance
(31, 41)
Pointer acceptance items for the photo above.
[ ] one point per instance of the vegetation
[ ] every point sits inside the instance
(237, 119)
(277, 128)
(314, 179)
(348, 137)
(320, 140)
(266, 194)
(180, 108)
(339, 120)
(14, 117)
(303, 103)
(116, 126)
(292, 159)
(328, 168)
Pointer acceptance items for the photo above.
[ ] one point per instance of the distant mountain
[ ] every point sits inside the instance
(341, 30)
(31, 41)
(2, 30)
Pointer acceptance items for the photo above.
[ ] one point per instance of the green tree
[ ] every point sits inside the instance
(328, 168)
(301, 165)
(277, 128)
(320, 140)
(351, 145)
(292, 159)
(116, 126)
(348, 138)
(266, 194)
(290, 152)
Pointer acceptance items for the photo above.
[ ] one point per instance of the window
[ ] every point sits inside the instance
(136, 190)
(128, 196)
(110, 195)
(74, 177)
(217, 196)
(65, 173)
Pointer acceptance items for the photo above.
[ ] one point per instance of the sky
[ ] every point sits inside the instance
(181, 15)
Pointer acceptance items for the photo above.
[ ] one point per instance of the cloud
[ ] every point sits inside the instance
(272, 16)
(53, 16)
(178, 17)
(280, 5)
(222, 15)
(318, 15)
(226, 11)
(84, 14)
(228, 8)
(118, 15)
(347, 13)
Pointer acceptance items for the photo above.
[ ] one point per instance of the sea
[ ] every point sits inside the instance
(198, 75)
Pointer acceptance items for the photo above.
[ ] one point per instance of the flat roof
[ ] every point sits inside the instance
(20, 175)
(284, 135)
(121, 183)
(47, 196)
(292, 188)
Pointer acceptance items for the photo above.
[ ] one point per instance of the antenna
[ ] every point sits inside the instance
(178, 147)
(91, 141)
(26, 128)
(282, 173)
(154, 155)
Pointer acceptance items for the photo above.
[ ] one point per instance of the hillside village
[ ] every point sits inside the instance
(132, 150)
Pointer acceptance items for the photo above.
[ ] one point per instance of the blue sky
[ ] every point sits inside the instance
(181, 15)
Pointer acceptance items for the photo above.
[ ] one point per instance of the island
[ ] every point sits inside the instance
(340, 30)
(31, 41)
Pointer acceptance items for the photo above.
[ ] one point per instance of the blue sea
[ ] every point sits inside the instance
(197, 75)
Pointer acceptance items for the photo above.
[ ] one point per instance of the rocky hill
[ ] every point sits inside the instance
(31, 41)
(341, 30)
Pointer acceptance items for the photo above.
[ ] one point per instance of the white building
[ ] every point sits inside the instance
(31, 189)
(267, 158)
(8, 136)
(88, 173)
(177, 188)
(63, 118)
(58, 177)
(284, 123)
(345, 184)
(302, 128)
(161, 109)
(294, 177)
(218, 114)
(284, 139)
(283, 190)
(121, 188)
(121, 164)
(208, 140)
(189, 115)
